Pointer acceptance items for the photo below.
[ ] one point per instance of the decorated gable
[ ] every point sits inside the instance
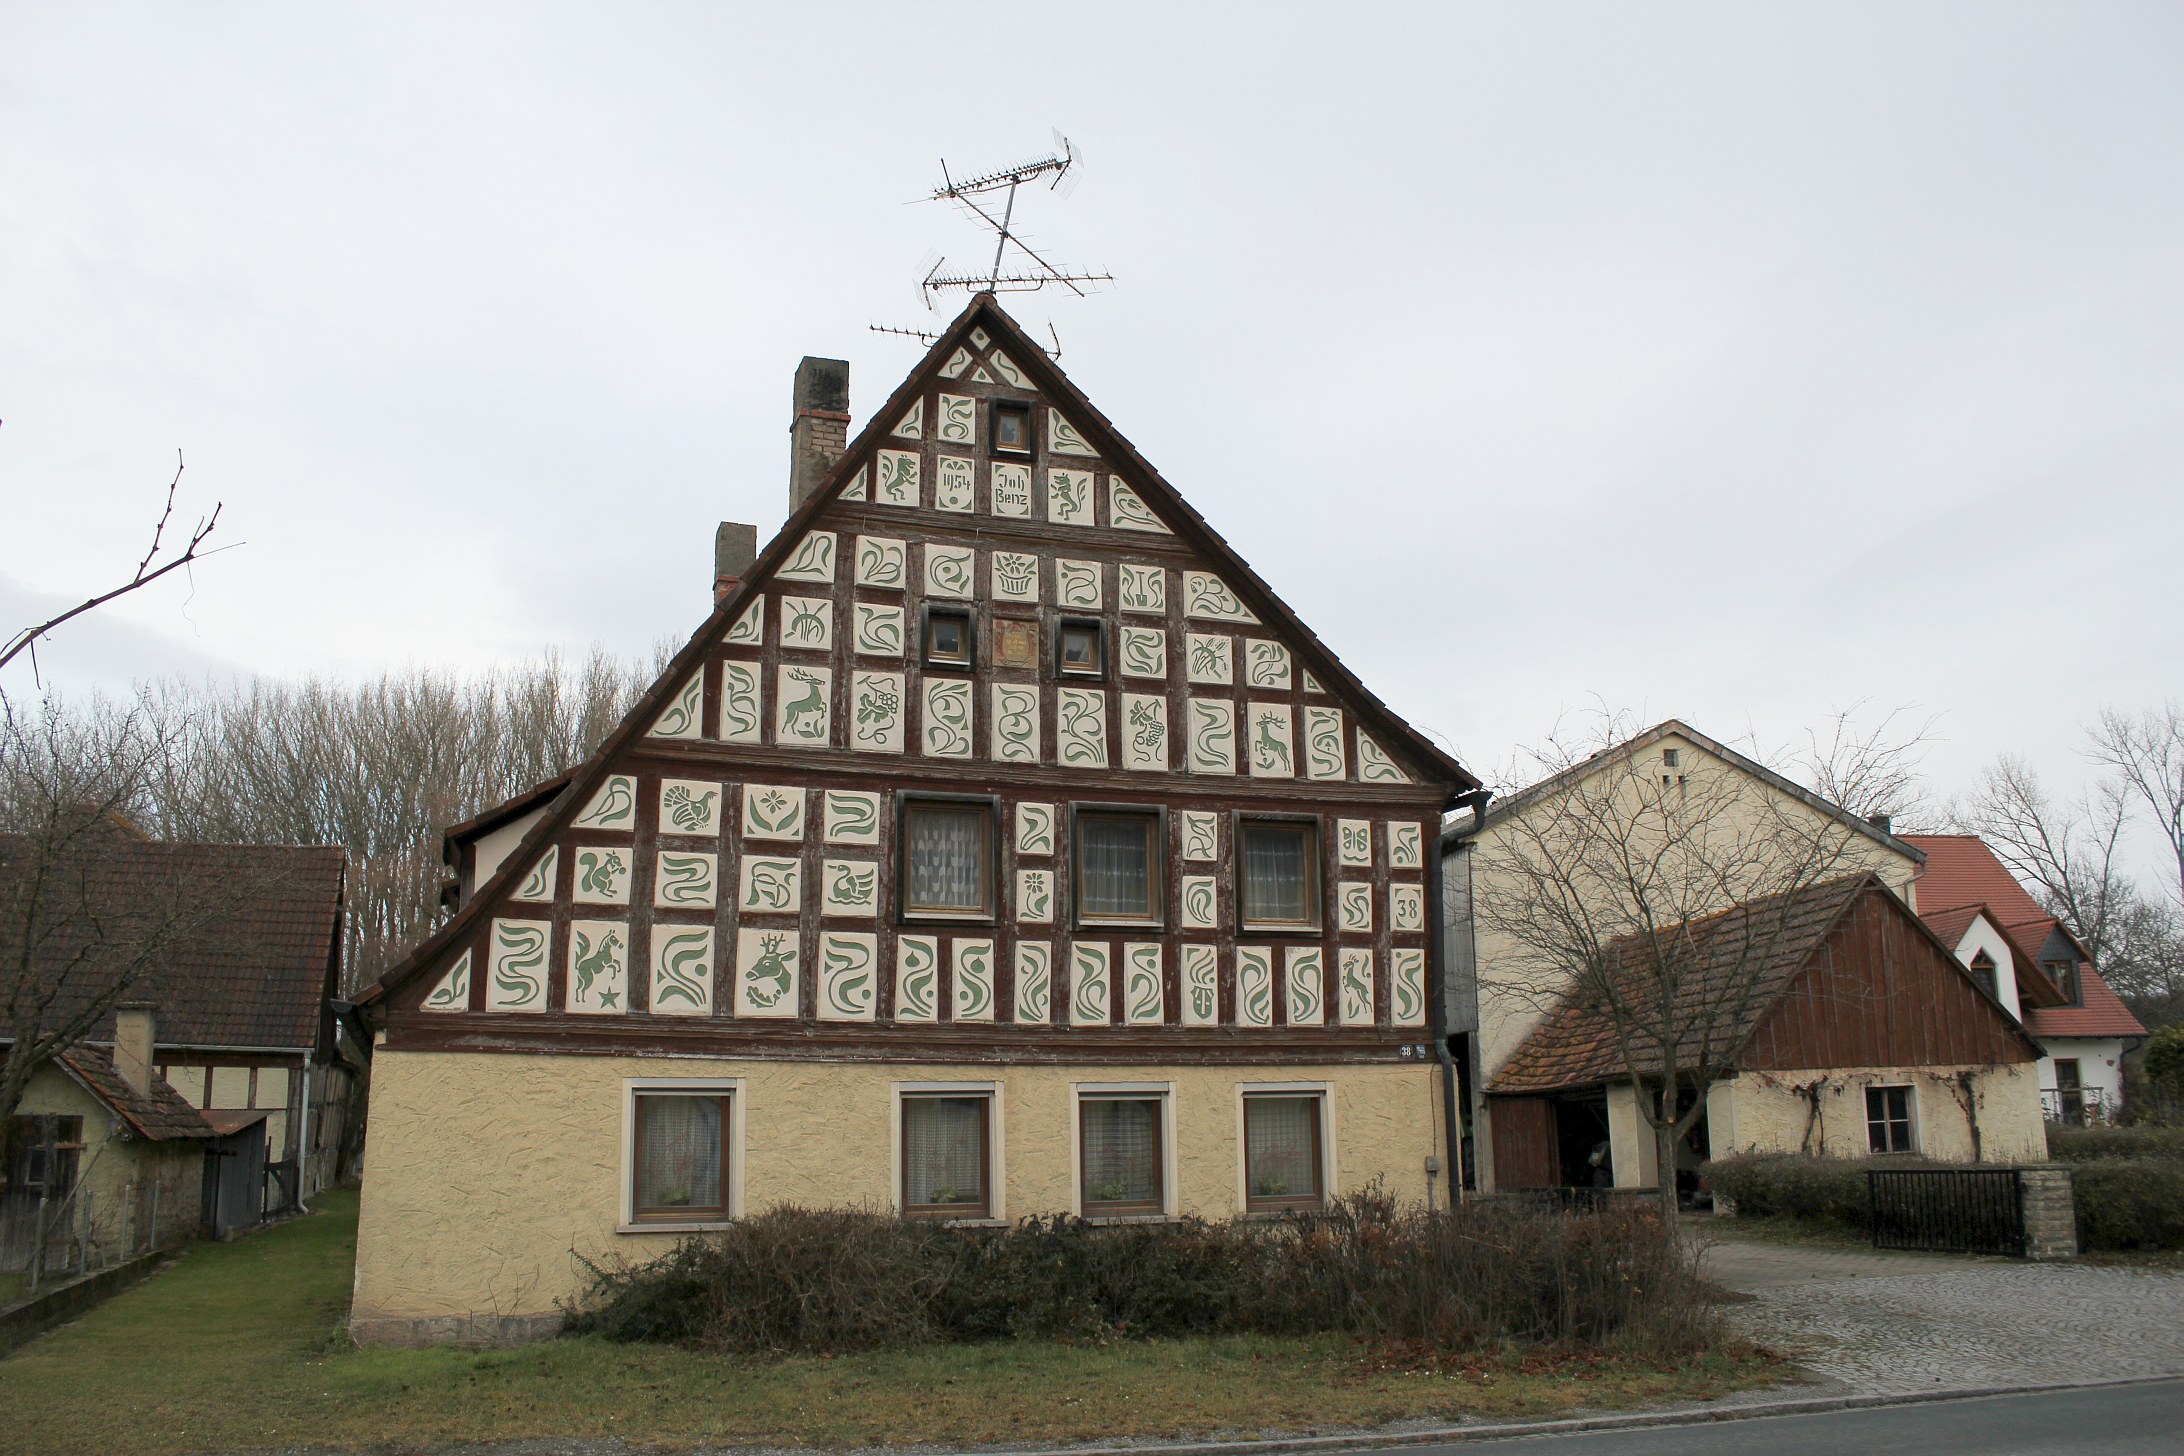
(998, 734)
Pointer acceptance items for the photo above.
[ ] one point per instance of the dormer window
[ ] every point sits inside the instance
(1012, 429)
(2065, 976)
(1983, 972)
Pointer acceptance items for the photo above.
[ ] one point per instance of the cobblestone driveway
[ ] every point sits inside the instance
(1971, 1324)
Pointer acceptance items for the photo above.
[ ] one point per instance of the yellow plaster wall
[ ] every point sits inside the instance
(486, 1173)
(1766, 1113)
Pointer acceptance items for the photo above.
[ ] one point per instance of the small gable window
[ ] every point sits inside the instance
(1012, 429)
(1278, 885)
(948, 638)
(947, 859)
(1118, 866)
(1081, 649)
(1888, 1120)
(1983, 972)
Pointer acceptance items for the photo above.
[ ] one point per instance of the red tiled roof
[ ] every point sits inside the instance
(250, 932)
(1576, 1046)
(1962, 870)
(159, 1115)
(2100, 1012)
(2033, 986)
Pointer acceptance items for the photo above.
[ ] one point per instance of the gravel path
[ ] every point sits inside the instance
(1876, 1325)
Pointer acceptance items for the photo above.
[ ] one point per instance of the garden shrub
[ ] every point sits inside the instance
(2087, 1144)
(2129, 1203)
(838, 1280)
(1792, 1185)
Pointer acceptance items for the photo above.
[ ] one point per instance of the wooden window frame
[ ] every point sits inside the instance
(1315, 878)
(961, 611)
(1098, 628)
(1910, 1119)
(907, 802)
(1156, 866)
(641, 1217)
(1125, 1208)
(999, 407)
(1986, 974)
(983, 1209)
(2068, 979)
(1287, 1202)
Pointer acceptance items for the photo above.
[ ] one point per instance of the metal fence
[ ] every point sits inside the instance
(2078, 1106)
(1947, 1210)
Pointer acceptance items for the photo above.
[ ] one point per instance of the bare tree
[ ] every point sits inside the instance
(1652, 903)
(73, 940)
(28, 638)
(1872, 769)
(2146, 754)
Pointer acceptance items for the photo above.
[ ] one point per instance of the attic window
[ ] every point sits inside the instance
(1670, 757)
(1012, 429)
(947, 637)
(1079, 649)
(2065, 976)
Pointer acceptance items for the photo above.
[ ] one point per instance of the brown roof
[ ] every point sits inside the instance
(252, 940)
(159, 1115)
(225, 1123)
(1576, 1045)
(481, 824)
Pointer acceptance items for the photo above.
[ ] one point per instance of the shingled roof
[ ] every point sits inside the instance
(159, 1115)
(1760, 945)
(257, 948)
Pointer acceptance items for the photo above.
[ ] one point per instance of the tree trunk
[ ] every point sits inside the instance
(1664, 1152)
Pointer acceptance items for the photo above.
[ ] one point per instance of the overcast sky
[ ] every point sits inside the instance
(1726, 361)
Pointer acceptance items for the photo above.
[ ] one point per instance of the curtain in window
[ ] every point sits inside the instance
(1275, 874)
(1114, 878)
(947, 854)
(679, 1153)
(1122, 1150)
(943, 1151)
(1279, 1137)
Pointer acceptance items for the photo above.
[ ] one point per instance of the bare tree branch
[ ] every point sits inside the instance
(26, 640)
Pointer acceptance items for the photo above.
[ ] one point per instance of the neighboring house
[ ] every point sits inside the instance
(2043, 975)
(101, 1158)
(1000, 845)
(1498, 995)
(1865, 1035)
(242, 994)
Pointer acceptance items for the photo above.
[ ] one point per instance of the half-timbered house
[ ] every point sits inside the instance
(1000, 845)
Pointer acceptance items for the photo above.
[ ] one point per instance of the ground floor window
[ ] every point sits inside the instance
(41, 1154)
(1120, 1155)
(1283, 1163)
(1888, 1119)
(947, 1154)
(679, 1167)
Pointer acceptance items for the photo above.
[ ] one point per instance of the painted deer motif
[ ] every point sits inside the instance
(767, 981)
(814, 701)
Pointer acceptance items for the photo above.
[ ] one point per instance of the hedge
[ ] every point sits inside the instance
(2129, 1203)
(2087, 1144)
(1792, 1185)
(830, 1280)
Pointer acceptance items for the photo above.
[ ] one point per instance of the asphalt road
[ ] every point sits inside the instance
(2121, 1420)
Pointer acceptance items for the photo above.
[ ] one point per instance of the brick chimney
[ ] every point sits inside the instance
(735, 547)
(133, 1028)
(819, 432)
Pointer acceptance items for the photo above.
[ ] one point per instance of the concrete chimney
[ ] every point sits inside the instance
(735, 547)
(819, 432)
(133, 1028)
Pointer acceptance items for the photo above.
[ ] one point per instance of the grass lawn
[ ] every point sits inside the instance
(1811, 1233)
(239, 1346)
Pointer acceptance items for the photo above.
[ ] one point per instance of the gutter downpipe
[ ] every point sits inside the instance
(1451, 1124)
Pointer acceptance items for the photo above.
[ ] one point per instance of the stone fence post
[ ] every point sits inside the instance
(2051, 1215)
